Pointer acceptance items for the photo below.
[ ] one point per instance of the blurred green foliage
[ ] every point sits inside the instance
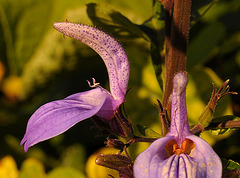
(38, 65)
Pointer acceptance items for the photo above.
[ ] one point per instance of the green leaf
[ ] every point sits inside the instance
(74, 156)
(24, 24)
(199, 7)
(221, 8)
(230, 165)
(65, 172)
(148, 132)
(202, 46)
(32, 168)
(157, 61)
(53, 56)
(31, 28)
(230, 45)
(156, 36)
(104, 16)
(223, 119)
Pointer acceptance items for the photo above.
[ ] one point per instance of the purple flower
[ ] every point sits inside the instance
(56, 117)
(179, 153)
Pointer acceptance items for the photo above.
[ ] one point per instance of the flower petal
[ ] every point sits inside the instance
(208, 162)
(108, 48)
(56, 117)
(177, 167)
(179, 123)
(154, 163)
(147, 162)
(94, 97)
(187, 166)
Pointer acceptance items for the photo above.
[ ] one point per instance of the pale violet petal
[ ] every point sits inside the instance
(108, 48)
(147, 162)
(108, 109)
(154, 163)
(187, 167)
(56, 117)
(62, 115)
(208, 162)
(177, 167)
(94, 97)
(168, 168)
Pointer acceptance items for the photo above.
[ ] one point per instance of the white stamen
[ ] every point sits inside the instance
(94, 83)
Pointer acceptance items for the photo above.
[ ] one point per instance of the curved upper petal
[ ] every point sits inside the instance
(108, 48)
(208, 162)
(147, 162)
(56, 117)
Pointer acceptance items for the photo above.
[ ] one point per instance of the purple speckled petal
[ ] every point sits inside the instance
(56, 117)
(108, 48)
(209, 163)
(179, 122)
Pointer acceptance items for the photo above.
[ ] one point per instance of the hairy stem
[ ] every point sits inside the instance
(176, 40)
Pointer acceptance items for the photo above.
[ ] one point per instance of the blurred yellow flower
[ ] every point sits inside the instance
(8, 167)
(12, 87)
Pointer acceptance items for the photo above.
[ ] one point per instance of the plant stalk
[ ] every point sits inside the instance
(177, 21)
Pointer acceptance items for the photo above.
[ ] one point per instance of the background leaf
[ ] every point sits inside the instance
(74, 156)
(230, 164)
(23, 34)
(148, 132)
(223, 119)
(205, 43)
(65, 172)
(32, 168)
(104, 16)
